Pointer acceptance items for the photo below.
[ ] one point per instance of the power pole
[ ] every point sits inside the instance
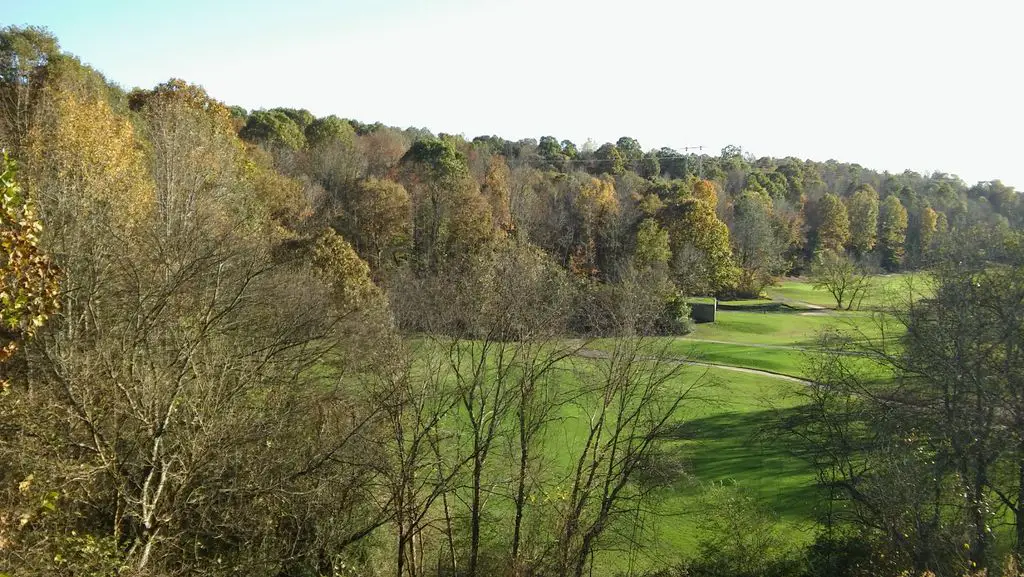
(700, 158)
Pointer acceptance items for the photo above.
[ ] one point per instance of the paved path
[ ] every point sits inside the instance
(796, 348)
(755, 345)
(596, 354)
(813, 309)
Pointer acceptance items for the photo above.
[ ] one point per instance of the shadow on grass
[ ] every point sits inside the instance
(766, 307)
(741, 447)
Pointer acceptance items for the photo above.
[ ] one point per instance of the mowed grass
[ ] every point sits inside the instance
(793, 329)
(883, 291)
(724, 435)
(720, 435)
(728, 435)
(776, 342)
(782, 361)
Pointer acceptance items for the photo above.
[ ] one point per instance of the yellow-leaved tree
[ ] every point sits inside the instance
(892, 225)
(381, 222)
(28, 280)
(833, 224)
(702, 256)
(597, 207)
(87, 165)
(863, 214)
(497, 192)
(927, 230)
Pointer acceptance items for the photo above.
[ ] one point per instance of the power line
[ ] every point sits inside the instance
(669, 156)
(700, 158)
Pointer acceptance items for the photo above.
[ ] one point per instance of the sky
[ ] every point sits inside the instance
(891, 85)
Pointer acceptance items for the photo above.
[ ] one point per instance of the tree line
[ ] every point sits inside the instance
(602, 212)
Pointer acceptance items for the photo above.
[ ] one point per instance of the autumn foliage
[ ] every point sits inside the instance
(28, 280)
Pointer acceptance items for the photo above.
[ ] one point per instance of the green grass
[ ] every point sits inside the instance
(801, 291)
(777, 342)
(703, 300)
(775, 360)
(884, 290)
(724, 435)
(786, 362)
(746, 302)
(782, 328)
(718, 437)
(725, 438)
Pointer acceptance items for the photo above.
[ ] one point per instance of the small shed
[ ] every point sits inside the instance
(703, 310)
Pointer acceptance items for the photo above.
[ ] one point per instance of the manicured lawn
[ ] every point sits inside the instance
(885, 289)
(787, 362)
(777, 342)
(802, 291)
(782, 328)
(723, 434)
(724, 437)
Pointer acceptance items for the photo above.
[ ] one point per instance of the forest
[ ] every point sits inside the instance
(267, 343)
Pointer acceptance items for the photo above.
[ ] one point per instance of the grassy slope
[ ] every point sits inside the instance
(787, 328)
(726, 440)
(722, 436)
(773, 341)
(883, 289)
(780, 328)
(725, 437)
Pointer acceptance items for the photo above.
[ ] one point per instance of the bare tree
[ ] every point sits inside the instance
(499, 323)
(633, 395)
(416, 402)
(197, 399)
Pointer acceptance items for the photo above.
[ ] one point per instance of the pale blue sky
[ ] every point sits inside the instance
(890, 84)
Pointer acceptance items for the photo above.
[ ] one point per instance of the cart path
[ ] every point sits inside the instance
(597, 354)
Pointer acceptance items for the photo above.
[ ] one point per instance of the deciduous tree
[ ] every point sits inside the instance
(379, 220)
(652, 246)
(327, 129)
(610, 160)
(892, 236)
(833, 224)
(273, 128)
(28, 280)
(757, 252)
(496, 189)
(702, 255)
(847, 281)
(450, 216)
(863, 213)
(629, 406)
(24, 54)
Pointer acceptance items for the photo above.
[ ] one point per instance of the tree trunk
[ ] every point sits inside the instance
(401, 552)
(1018, 513)
(520, 503)
(980, 545)
(448, 529)
(474, 516)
